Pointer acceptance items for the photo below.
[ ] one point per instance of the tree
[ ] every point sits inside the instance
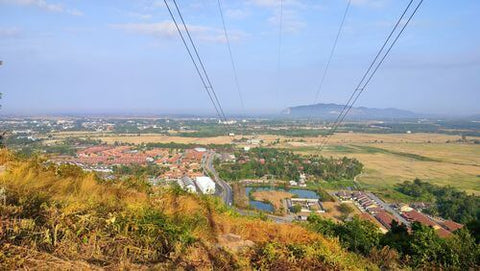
(474, 227)
(296, 208)
(324, 226)
(358, 235)
(460, 251)
(397, 238)
(345, 209)
(425, 245)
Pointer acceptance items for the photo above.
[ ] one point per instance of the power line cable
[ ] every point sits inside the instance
(234, 68)
(193, 59)
(381, 61)
(335, 125)
(210, 86)
(200, 60)
(332, 51)
(375, 59)
(279, 50)
(362, 85)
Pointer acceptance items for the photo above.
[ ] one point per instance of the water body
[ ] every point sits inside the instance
(262, 206)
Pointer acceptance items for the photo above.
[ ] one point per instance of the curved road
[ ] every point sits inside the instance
(225, 190)
(226, 193)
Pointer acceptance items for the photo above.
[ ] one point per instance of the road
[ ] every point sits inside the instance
(225, 190)
(226, 193)
(388, 208)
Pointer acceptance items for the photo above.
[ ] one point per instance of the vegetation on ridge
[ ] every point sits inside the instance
(59, 217)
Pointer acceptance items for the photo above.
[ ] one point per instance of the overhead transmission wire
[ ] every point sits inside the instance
(200, 60)
(367, 77)
(232, 61)
(332, 51)
(199, 67)
(279, 50)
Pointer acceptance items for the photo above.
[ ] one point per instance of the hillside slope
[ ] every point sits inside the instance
(62, 217)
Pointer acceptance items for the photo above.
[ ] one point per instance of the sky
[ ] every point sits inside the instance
(125, 56)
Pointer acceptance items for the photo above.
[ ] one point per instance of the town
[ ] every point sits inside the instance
(188, 168)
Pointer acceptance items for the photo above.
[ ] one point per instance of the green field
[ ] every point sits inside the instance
(389, 161)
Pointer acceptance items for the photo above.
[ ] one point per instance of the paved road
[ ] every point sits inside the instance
(225, 190)
(388, 208)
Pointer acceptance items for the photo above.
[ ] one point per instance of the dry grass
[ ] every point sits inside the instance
(333, 213)
(154, 138)
(105, 225)
(452, 164)
(391, 159)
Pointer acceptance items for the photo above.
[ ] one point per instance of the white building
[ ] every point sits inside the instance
(206, 184)
(187, 184)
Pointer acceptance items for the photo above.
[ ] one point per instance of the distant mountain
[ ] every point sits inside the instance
(331, 111)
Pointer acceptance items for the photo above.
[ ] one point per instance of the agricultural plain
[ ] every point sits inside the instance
(388, 158)
(394, 158)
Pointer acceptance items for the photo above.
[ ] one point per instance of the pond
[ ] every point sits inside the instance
(262, 206)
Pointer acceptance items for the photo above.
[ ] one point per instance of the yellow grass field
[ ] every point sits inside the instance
(395, 158)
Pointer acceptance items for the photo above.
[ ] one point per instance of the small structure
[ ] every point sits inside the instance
(385, 219)
(344, 195)
(451, 225)
(405, 208)
(187, 184)
(205, 184)
(307, 205)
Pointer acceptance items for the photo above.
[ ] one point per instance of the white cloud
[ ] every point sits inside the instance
(74, 12)
(291, 23)
(276, 3)
(237, 13)
(370, 3)
(141, 16)
(9, 32)
(286, 12)
(43, 4)
(167, 29)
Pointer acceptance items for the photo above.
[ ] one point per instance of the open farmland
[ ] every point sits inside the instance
(388, 158)
(111, 138)
(395, 158)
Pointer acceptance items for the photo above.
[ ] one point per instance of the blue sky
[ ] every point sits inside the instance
(125, 56)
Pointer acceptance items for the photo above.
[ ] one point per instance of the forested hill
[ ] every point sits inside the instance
(331, 111)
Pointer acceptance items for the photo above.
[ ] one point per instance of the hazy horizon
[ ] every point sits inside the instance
(202, 113)
(67, 56)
